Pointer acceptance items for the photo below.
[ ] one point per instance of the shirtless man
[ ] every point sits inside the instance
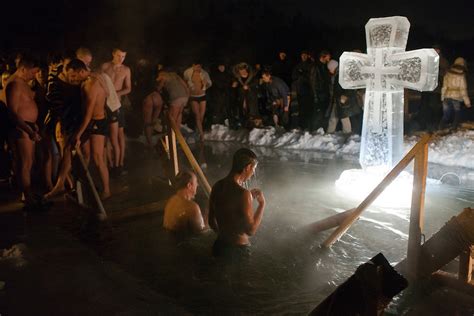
(151, 109)
(121, 77)
(85, 55)
(182, 214)
(171, 85)
(64, 98)
(198, 81)
(24, 132)
(231, 213)
(93, 128)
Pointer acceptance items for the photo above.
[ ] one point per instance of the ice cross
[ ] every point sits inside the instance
(384, 71)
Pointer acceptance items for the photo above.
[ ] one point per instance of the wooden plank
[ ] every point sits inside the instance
(377, 191)
(417, 211)
(173, 151)
(102, 214)
(465, 265)
(329, 222)
(187, 151)
(135, 211)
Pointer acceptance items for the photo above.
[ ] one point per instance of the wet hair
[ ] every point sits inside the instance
(242, 158)
(182, 179)
(76, 65)
(82, 51)
(28, 62)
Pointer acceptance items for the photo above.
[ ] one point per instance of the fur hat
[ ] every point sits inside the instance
(332, 65)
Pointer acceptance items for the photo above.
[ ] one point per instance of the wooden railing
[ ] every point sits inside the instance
(419, 153)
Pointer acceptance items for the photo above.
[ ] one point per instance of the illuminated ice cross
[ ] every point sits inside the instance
(384, 71)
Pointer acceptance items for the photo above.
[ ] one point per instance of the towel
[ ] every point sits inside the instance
(113, 101)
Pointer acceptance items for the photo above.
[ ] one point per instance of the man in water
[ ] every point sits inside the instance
(182, 214)
(121, 77)
(231, 213)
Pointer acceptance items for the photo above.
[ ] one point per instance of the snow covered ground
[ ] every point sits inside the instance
(455, 149)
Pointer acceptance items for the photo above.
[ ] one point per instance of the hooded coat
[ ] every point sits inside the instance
(454, 83)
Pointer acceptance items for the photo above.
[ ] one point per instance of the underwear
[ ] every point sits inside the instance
(95, 127)
(17, 133)
(198, 99)
(229, 251)
(115, 116)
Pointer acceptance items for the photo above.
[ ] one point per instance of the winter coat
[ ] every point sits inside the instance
(454, 84)
(246, 100)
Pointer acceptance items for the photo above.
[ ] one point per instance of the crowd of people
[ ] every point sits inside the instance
(49, 110)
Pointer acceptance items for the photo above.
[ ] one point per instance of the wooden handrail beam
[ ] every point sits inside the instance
(377, 191)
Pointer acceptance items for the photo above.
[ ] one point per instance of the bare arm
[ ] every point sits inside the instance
(90, 93)
(253, 220)
(127, 84)
(196, 221)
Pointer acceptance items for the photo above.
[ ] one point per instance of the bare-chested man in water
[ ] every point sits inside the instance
(182, 214)
(231, 213)
(121, 77)
(93, 128)
(24, 132)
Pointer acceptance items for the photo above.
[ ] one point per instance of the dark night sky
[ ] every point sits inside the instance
(254, 29)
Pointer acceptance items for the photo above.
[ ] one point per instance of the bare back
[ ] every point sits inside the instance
(229, 211)
(20, 99)
(182, 215)
(95, 93)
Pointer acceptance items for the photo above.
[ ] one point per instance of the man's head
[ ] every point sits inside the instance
(197, 66)
(332, 66)
(305, 55)
(267, 76)
(221, 67)
(282, 55)
(85, 55)
(118, 56)
(244, 163)
(28, 67)
(187, 181)
(243, 70)
(324, 56)
(76, 72)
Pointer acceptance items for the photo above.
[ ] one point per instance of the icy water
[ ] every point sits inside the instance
(288, 272)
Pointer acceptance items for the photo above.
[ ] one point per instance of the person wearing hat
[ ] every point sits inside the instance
(454, 92)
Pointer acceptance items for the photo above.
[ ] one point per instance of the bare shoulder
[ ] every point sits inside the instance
(106, 66)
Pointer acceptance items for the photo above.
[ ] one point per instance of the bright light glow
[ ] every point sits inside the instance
(356, 184)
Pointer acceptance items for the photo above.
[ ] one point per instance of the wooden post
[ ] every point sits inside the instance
(187, 151)
(377, 191)
(465, 265)
(173, 151)
(417, 211)
(329, 222)
(102, 213)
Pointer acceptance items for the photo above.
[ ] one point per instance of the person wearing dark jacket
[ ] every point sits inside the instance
(282, 68)
(219, 106)
(278, 94)
(320, 82)
(244, 93)
(302, 90)
(343, 103)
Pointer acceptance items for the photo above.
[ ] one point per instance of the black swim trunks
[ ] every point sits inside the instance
(228, 251)
(95, 127)
(115, 116)
(17, 133)
(198, 99)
